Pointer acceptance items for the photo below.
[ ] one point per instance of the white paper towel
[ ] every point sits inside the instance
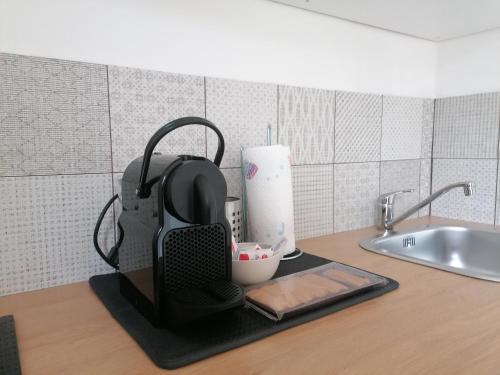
(269, 198)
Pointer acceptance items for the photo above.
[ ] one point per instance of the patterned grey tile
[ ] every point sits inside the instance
(233, 181)
(481, 206)
(427, 129)
(401, 175)
(401, 128)
(242, 111)
(142, 101)
(467, 126)
(47, 229)
(425, 184)
(54, 117)
(306, 124)
(356, 188)
(357, 127)
(313, 200)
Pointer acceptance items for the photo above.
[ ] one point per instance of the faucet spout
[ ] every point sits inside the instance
(468, 189)
(388, 222)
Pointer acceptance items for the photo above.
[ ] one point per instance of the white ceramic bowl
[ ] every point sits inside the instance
(248, 272)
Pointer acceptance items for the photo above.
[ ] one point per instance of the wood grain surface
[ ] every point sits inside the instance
(435, 323)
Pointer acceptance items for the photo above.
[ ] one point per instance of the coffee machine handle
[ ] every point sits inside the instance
(142, 189)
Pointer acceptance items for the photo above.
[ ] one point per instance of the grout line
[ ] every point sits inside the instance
(59, 174)
(359, 162)
(333, 199)
(111, 151)
(422, 130)
(380, 145)
(205, 106)
(277, 117)
(334, 123)
(422, 141)
(434, 104)
(334, 153)
(419, 183)
(441, 158)
(229, 168)
(381, 125)
(496, 179)
(238, 167)
(311, 164)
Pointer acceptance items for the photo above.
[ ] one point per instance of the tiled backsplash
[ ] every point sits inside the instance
(466, 148)
(54, 117)
(69, 129)
(242, 111)
(307, 124)
(141, 101)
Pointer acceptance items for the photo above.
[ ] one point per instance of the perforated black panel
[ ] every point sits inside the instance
(194, 256)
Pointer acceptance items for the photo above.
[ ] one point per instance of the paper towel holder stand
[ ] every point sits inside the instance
(296, 253)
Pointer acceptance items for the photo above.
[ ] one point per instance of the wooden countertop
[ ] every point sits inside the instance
(435, 323)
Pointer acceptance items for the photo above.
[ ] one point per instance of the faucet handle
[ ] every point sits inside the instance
(388, 198)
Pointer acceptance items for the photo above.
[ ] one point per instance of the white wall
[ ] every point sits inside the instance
(254, 40)
(469, 65)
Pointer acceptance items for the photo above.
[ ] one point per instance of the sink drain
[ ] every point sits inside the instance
(409, 241)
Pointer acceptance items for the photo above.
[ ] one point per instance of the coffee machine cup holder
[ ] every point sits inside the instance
(144, 189)
(186, 305)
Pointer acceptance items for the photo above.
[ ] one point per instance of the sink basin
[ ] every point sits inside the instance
(469, 252)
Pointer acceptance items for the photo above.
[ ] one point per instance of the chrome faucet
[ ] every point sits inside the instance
(386, 201)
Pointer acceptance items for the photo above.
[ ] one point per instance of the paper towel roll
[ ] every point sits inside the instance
(269, 197)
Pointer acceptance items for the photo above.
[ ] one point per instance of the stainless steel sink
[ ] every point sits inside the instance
(469, 252)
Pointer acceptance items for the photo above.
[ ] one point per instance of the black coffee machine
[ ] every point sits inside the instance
(175, 241)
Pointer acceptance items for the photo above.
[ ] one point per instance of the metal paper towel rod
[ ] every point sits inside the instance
(243, 198)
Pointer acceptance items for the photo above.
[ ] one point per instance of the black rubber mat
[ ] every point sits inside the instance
(9, 354)
(175, 348)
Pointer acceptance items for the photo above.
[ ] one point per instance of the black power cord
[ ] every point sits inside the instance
(112, 257)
